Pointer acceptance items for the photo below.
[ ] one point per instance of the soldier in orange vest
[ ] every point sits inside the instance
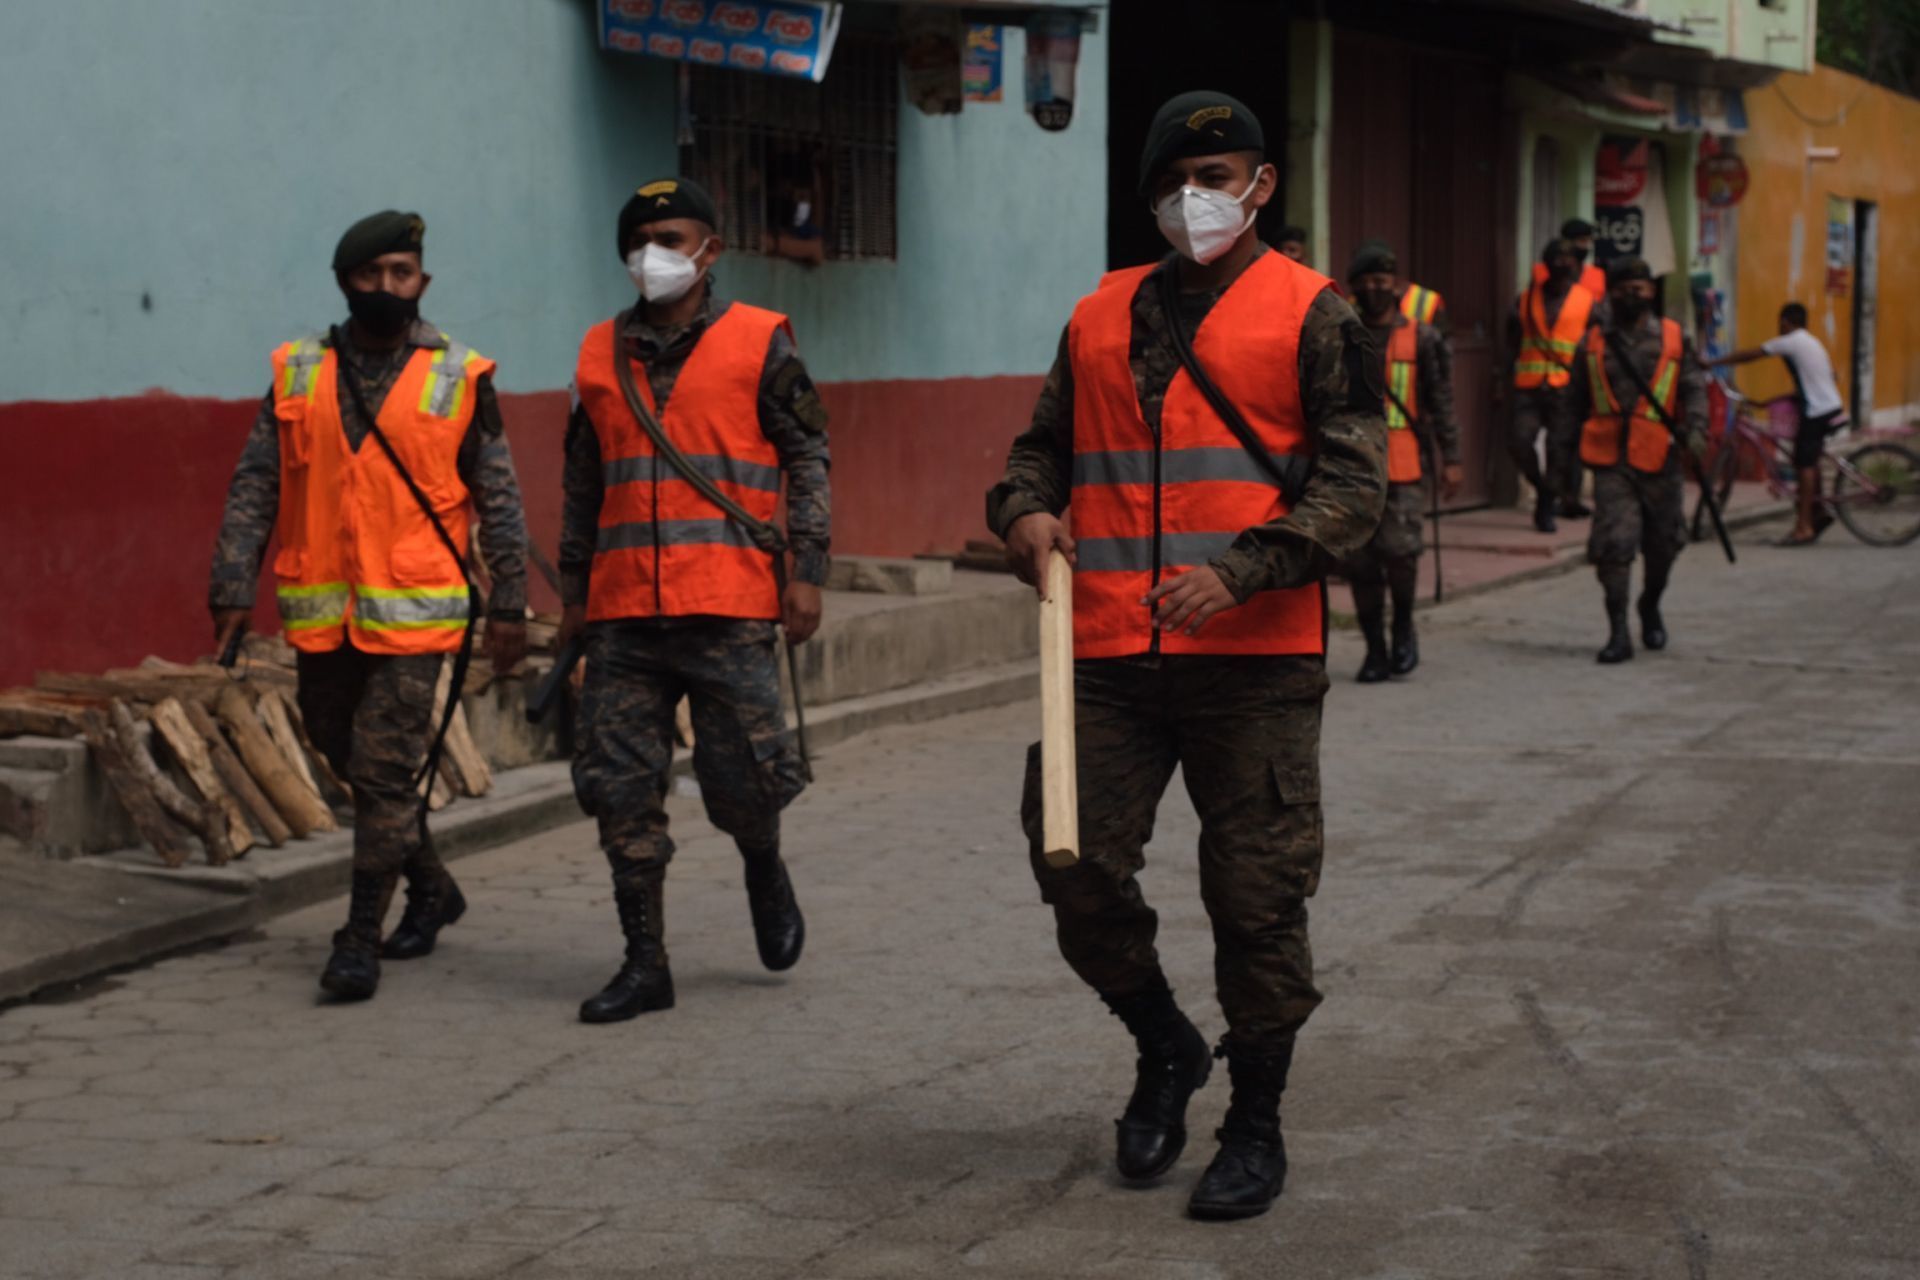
(1639, 493)
(373, 589)
(1201, 536)
(1578, 234)
(670, 594)
(1544, 331)
(1418, 375)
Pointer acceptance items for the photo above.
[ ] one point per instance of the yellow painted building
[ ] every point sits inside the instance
(1831, 219)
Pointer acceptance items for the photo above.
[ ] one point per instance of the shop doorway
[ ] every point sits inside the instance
(1866, 299)
(1156, 50)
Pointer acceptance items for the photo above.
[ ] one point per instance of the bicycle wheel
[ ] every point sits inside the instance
(1877, 494)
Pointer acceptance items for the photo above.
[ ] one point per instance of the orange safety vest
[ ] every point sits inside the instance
(358, 558)
(1147, 508)
(1403, 375)
(1421, 304)
(1646, 435)
(1592, 278)
(663, 550)
(1547, 352)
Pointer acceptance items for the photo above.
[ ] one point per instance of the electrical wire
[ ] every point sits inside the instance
(1839, 119)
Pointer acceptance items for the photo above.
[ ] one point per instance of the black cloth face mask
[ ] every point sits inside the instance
(382, 314)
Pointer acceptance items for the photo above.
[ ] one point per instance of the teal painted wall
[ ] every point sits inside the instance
(206, 154)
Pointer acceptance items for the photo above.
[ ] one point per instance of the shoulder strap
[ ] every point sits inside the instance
(1288, 473)
(1640, 383)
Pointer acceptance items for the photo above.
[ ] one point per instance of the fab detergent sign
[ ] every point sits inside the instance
(777, 37)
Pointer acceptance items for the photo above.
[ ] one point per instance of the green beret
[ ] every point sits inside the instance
(1621, 270)
(1202, 123)
(389, 231)
(1372, 256)
(662, 199)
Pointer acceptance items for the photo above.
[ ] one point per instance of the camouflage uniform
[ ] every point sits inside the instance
(1246, 729)
(1398, 539)
(638, 668)
(1638, 511)
(371, 715)
(1548, 409)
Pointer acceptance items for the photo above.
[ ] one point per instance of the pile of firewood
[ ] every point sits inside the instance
(221, 755)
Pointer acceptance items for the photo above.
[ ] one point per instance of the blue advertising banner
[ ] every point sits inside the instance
(779, 37)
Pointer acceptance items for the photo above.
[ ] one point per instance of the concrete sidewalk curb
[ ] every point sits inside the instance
(271, 882)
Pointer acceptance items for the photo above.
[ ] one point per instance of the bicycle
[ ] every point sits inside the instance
(1874, 489)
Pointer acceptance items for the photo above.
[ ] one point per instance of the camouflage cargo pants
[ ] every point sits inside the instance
(371, 715)
(1637, 512)
(1399, 536)
(1548, 409)
(1246, 733)
(747, 763)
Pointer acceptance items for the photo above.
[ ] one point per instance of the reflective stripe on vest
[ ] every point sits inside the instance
(1128, 529)
(1647, 439)
(1403, 443)
(1547, 352)
(663, 550)
(1420, 304)
(358, 557)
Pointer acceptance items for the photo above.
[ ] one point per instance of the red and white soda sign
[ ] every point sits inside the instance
(1620, 173)
(1721, 180)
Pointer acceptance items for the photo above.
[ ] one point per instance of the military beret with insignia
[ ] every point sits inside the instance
(1202, 123)
(378, 234)
(662, 199)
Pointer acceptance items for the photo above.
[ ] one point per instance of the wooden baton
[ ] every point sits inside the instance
(1059, 778)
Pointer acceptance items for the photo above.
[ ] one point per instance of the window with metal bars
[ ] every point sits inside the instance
(802, 170)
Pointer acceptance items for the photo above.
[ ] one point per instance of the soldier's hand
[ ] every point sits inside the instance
(573, 620)
(1189, 601)
(1697, 444)
(1452, 477)
(506, 644)
(228, 624)
(1030, 540)
(800, 612)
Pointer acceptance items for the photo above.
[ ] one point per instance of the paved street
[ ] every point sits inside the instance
(1621, 974)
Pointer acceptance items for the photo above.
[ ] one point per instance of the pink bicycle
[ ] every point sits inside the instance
(1873, 488)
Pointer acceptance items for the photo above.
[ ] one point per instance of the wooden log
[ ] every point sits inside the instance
(128, 686)
(205, 820)
(472, 774)
(43, 715)
(1059, 771)
(295, 801)
(333, 788)
(272, 710)
(238, 780)
(149, 819)
(189, 749)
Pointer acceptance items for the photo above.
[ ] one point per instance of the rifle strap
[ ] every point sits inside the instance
(1288, 473)
(464, 657)
(764, 535)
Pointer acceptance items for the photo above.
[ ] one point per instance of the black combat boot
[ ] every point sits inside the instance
(1543, 512)
(1246, 1176)
(353, 970)
(1406, 645)
(1172, 1066)
(644, 984)
(1369, 603)
(779, 930)
(1574, 509)
(432, 905)
(1653, 629)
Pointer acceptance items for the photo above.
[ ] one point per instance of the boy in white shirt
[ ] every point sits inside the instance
(1821, 412)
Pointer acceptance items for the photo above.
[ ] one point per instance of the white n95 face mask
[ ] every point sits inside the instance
(1203, 223)
(663, 274)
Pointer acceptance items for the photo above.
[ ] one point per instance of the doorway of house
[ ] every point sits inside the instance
(1156, 50)
(1866, 299)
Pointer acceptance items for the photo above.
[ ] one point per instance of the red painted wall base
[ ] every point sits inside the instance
(109, 508)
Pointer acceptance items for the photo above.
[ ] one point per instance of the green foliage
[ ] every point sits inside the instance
(1875, 39)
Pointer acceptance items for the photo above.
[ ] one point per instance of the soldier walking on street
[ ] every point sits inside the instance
(371, 594)
(671, 595)
(1201, 538)
(1417, 373)
(1639, 491)
(1544, 330)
